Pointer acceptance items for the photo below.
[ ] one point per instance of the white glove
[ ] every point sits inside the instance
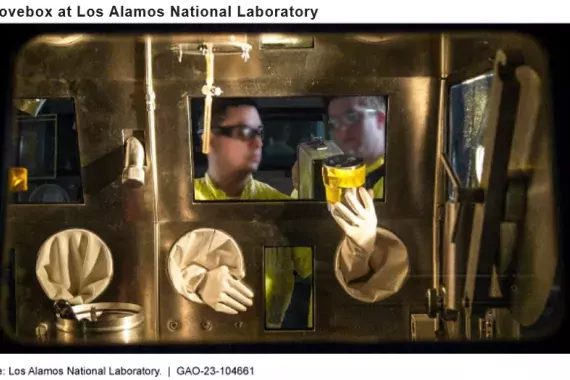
(360, 223)
(223, 293)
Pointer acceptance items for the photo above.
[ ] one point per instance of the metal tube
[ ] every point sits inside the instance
(150, 107)
(439, 178)
(450, 174)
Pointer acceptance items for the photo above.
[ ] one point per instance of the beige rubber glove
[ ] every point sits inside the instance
(223, 293)
(208, 263)
(371, 263)
(359, 222)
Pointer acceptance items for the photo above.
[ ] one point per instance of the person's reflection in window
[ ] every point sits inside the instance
(300, 306)
(288, 287)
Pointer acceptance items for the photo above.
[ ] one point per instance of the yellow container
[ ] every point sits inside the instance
(341, 173)
(17, 179)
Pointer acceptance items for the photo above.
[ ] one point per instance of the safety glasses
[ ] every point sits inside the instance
(349, 118)
(240, 132)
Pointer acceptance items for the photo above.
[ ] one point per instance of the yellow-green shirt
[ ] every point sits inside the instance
(206, 190)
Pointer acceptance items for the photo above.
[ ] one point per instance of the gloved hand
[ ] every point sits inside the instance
(224, 293)
(360, 223)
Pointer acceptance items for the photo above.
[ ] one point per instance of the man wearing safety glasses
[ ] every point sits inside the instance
(358, 126)
(235, 154)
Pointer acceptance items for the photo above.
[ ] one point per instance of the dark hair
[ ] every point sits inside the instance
(219, 110)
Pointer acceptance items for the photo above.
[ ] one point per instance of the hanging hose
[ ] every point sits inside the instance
(208, 91)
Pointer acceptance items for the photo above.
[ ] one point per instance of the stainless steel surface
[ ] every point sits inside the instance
(108, 77)
(222, 44)
(133, 336)
(278, 41)
(106, 323)
(422, 328)
(337, 65)
(472, 53)
(105, 77)
(105, 317)
(453, 265)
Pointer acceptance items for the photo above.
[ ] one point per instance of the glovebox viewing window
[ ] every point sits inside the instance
(288, 287)
(272, 149)
(467, 110)
(45, 144)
